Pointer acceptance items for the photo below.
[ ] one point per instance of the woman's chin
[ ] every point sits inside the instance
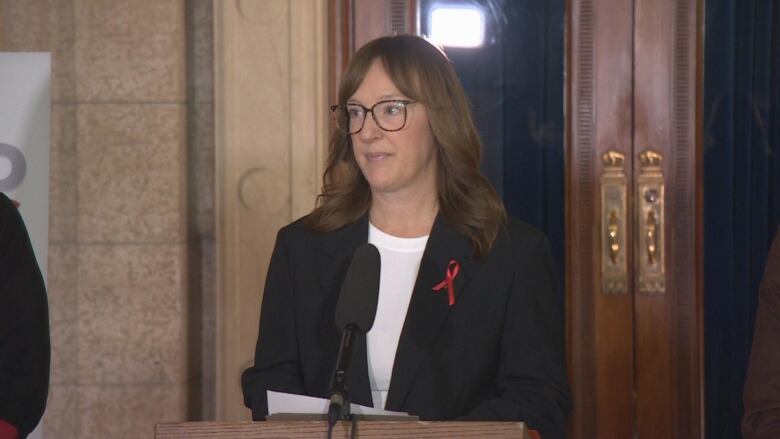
(379, 183)
(380, 189)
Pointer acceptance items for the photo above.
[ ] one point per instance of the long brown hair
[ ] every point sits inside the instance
(422, 72)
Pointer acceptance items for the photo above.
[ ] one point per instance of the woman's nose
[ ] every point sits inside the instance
(370, 129)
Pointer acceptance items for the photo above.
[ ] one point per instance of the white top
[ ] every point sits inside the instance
(400, 262)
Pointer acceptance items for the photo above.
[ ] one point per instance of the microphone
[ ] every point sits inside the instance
(355, 312)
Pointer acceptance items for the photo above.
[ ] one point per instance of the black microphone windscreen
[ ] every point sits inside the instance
(360, 290)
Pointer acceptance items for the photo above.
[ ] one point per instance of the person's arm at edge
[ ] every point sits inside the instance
(23, 398)
(762, 385)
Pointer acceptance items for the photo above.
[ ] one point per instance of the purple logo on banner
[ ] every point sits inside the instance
(18, 167)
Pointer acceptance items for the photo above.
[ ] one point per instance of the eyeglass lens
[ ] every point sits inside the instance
(388, 115)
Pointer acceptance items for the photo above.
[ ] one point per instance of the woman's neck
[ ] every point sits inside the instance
(407, 217)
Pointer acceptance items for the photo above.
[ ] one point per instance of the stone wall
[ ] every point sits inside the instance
(119, 244)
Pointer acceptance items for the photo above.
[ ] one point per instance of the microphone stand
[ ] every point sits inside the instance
(339, 396)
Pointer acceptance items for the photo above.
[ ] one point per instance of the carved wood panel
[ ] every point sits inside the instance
(271, 124)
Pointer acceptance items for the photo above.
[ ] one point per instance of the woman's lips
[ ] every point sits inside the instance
(376, 156)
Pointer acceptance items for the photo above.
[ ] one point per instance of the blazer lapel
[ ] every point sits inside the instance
(336, 250)
(428, 310)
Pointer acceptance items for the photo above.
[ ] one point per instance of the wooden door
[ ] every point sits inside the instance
(601, 321)
(634, 291)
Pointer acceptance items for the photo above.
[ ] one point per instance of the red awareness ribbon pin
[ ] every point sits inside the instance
(453, 268)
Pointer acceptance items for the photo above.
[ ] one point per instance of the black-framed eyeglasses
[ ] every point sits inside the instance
(389, 115)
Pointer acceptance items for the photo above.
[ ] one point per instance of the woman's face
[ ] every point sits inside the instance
(398, 162)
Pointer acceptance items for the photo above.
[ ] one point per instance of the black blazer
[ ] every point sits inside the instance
(496, 354)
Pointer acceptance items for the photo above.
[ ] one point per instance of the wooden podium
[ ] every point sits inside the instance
(319, 429)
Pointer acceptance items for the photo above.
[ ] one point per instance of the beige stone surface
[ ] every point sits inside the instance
(201, 150)
(130, 50)
(119, 190)
(131, 161)
(128, 411)
(200, 42)
(132, 314)
(25, 24)
(207, 328)
(63, 176)
(63, 312)
(63, 48)
(43, 26)
(117, 278)
(61, 419)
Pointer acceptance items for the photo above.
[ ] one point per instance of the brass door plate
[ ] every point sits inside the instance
(614, 183)
(650, 223)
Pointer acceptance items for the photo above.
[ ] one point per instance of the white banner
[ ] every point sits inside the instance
(25, 102)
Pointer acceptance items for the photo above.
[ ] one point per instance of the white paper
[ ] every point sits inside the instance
(279, 402)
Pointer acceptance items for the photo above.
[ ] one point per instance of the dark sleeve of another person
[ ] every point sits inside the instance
(24, 326)
(762, 388)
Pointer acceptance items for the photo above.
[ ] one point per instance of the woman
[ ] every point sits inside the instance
(467, 326)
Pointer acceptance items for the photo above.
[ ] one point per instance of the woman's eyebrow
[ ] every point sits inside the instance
(386, 97)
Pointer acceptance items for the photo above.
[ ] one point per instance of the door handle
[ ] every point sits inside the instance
(651, 238)
(650, 215)
(614, 184)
